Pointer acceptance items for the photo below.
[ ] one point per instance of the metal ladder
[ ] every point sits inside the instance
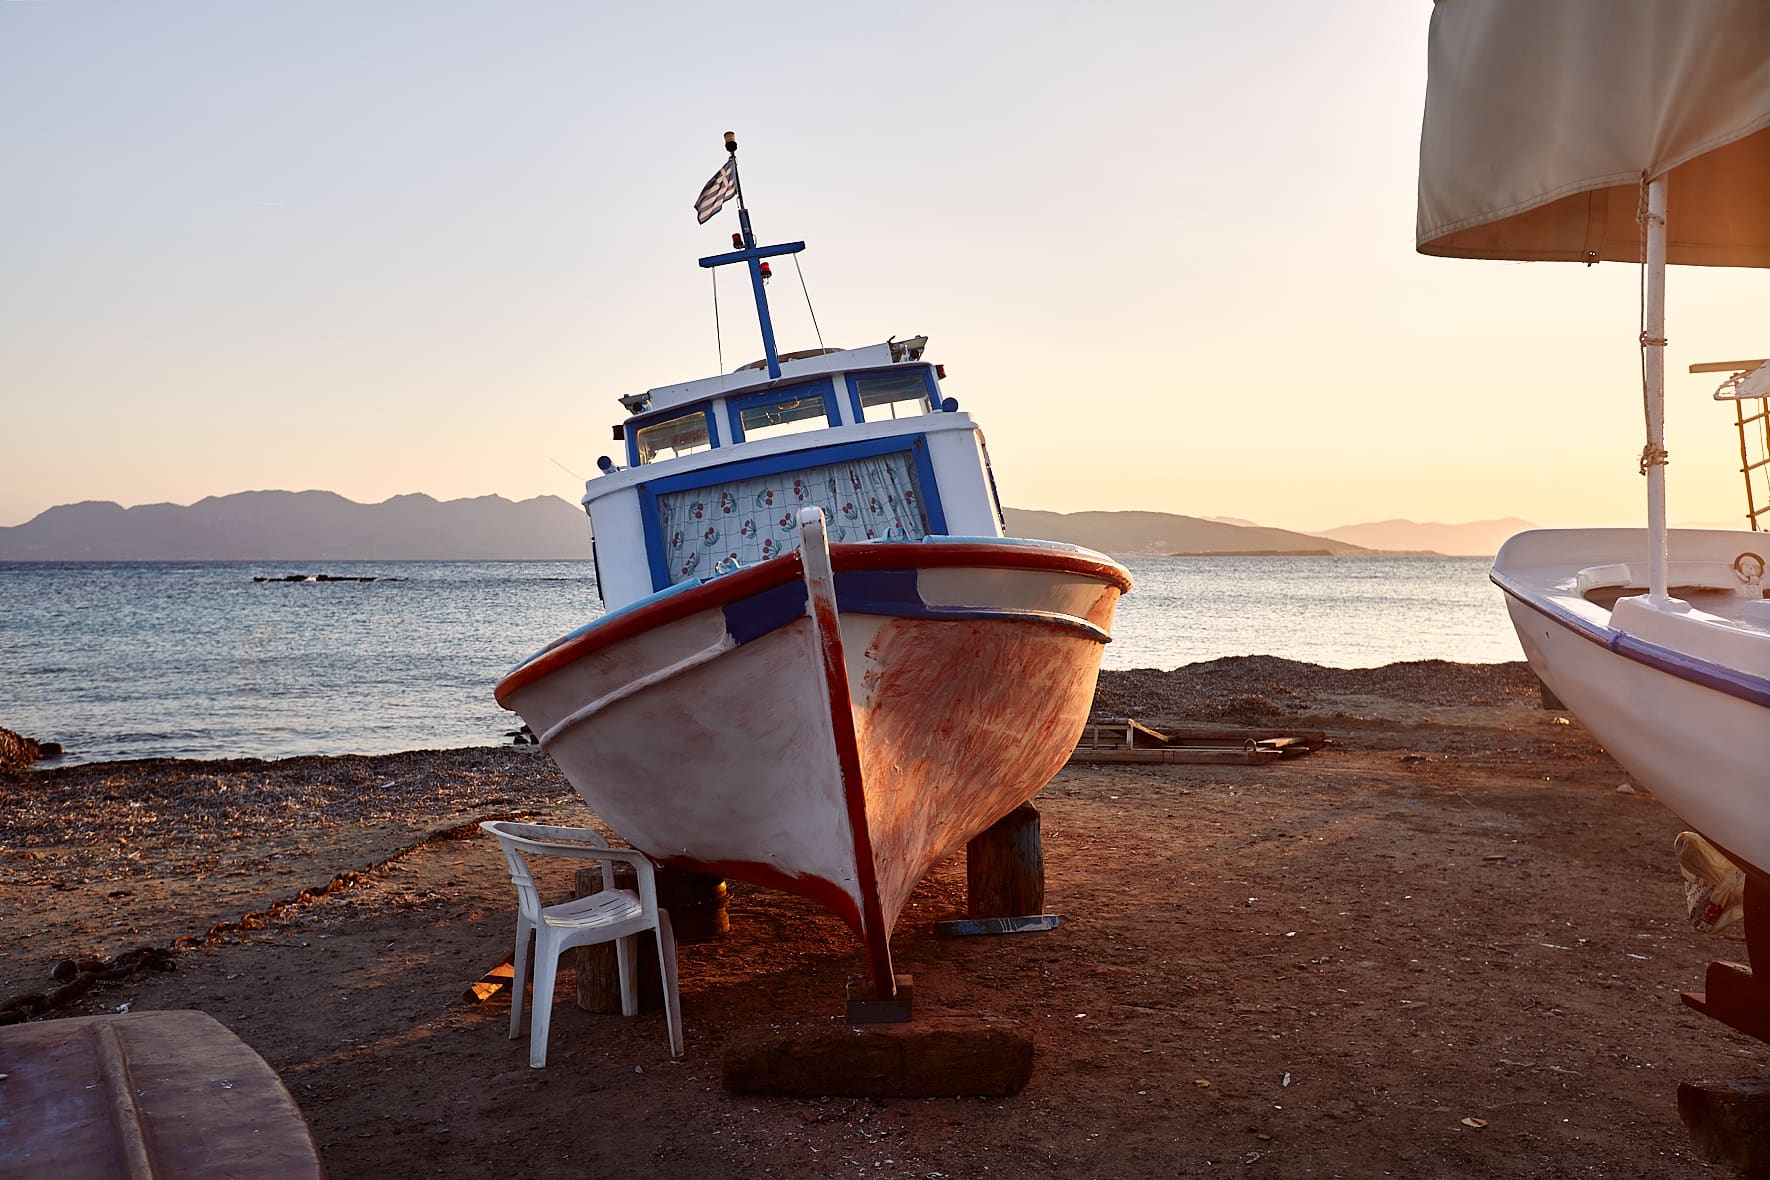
(1754, 440)
(1749, 383)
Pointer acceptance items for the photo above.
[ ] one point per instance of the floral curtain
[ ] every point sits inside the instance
(752, 520)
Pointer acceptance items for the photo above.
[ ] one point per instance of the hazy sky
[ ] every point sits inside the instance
(1164, 249)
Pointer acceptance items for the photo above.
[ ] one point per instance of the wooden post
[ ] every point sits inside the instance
(696, 905)
(1005, 868)
(696, 902)
(599, 972)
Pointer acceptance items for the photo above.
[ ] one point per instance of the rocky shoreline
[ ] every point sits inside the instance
(18, 752)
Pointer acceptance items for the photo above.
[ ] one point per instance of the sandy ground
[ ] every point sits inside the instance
(1318, 967)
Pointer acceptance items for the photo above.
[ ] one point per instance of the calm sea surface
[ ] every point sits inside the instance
(138, 660)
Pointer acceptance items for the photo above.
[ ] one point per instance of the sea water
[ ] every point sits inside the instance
(199, 660)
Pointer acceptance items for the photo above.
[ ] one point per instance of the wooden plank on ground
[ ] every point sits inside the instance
(1126, 734)
(1207, 734)
(1194, 756)
(966, 927)
(489, 984)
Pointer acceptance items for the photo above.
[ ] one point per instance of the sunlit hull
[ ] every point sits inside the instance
(834, 745)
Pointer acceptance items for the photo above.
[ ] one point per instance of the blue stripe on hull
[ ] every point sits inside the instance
(878, 592)
(1743, 685)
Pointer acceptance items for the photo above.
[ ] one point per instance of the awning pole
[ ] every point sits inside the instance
(1653, 372)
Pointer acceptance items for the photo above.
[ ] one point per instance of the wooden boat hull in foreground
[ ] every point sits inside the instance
(145, 1095)
(1679, 691)
(835, 721)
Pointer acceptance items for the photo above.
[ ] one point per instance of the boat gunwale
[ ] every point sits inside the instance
(1744, 686)
(674, 604)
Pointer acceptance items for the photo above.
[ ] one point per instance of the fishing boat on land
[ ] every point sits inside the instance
(1632, 131)
(824, 667)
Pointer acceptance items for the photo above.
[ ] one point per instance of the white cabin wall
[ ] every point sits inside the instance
(619, 529)
(965, 497)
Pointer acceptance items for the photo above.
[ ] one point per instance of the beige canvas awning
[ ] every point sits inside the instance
(1543, 115)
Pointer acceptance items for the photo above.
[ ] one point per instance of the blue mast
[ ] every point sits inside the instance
(753, 254)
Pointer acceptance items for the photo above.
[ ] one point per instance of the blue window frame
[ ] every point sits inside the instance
(893, 386)
(756, 404)
(635, 425)
(915, 445)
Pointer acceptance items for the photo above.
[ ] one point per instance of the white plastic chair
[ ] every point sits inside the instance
(609, 915)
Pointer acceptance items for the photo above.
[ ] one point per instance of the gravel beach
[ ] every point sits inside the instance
(1450, 943)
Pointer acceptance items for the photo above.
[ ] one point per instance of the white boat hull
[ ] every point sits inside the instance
(1679, 691)
(838, 750)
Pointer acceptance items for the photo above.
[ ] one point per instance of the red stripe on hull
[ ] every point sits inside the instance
(780, 570)
(729, 588)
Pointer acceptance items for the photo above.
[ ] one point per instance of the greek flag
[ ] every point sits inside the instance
(720, 189)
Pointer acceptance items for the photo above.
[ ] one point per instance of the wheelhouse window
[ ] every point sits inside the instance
(884, 396)
(673, 437)
(791, 415)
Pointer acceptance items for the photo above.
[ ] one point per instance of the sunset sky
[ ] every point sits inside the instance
(1165, 251)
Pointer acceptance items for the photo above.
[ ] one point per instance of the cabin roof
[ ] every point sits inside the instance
(794, 367)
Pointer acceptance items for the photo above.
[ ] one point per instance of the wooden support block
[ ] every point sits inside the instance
(1005, 867)
(489, 984)
(939, 1057)
(1550, 700)
(1729, 1122)
(867, 1006)
(695, 903)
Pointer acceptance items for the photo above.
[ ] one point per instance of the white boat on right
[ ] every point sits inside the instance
(1633, 131)
(1676, 687)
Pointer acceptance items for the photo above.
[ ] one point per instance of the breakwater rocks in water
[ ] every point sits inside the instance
(326, 578)
(18, 752)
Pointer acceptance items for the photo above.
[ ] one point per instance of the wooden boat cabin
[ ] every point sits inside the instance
(717, 469)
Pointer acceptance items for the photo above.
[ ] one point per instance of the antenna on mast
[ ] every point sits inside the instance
(737, 182)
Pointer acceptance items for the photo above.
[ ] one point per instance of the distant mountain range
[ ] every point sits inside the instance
(1480, 538)
(305, 526)
(1148, 534)
(324, 526)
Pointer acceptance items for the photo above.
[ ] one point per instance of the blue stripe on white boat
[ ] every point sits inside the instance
(753, 617)
(1744, 685)
(894, 593)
